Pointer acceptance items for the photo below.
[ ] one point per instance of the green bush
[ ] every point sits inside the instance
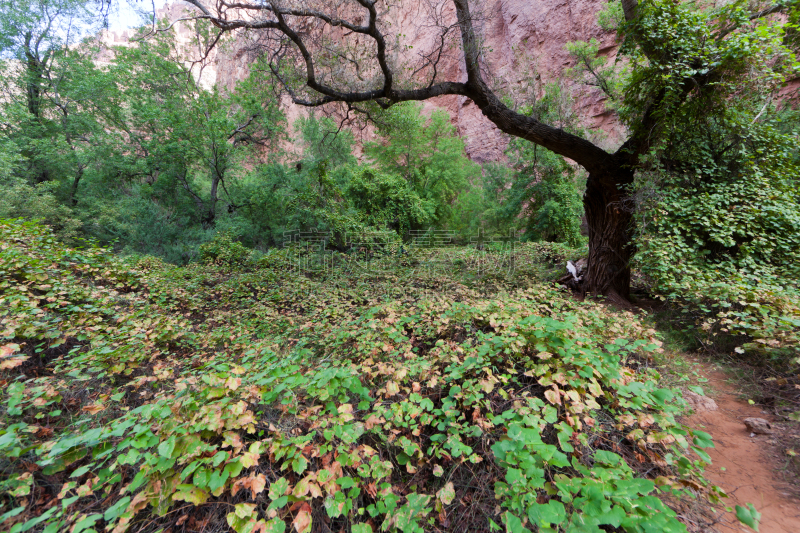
(387, 200)
(41, 203)
(223, 250)
(720, 234)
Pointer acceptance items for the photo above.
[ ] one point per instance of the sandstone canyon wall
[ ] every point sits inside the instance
(525, 47)
(525, 42)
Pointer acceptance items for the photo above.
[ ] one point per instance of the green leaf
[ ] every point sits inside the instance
(299, 464)
(190, 494)
(346, 482)
(86, 523)
(11, 513)
(514, 524)
(80, 471)
(278, 488)
(166, 448)
(553, 512)
(702, 454)
(702, 439)
(276, 525)
(748, 516)
(218, 479)
(113, 512)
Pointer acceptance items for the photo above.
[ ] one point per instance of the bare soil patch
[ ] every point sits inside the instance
(744, 464)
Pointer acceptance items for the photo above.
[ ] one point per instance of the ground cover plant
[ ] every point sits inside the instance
(391, 394)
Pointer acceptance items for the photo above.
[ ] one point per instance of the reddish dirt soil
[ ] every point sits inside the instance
(749, 474)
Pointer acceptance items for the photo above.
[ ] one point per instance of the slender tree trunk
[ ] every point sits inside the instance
(211, 214)
(609, 220)
(73, 193)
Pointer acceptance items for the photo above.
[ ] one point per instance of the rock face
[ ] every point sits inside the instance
(525, 42)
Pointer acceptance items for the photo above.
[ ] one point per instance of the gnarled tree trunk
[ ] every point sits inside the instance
(610, 248)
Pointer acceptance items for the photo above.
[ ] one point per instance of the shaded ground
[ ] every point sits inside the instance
(744, 466)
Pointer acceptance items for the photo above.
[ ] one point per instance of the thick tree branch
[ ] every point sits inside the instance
(574, 147)
(777, 8)
(630, 8)
(585, 153)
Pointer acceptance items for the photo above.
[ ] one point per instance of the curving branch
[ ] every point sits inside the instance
(287, 18)
(771, 10)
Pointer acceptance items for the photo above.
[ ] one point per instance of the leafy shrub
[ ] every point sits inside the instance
(719, 225)
(386, 200)
(39, 203)
(223, 250)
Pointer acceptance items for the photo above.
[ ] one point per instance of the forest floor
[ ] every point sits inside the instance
(747, 466)
(436, 390)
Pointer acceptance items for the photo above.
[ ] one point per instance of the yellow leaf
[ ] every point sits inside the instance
(552, 396)
(447, 493)
(373, 421)
(12, 362)
(487, 385)
(574, 396)
(314, 490)
(94, 408)
(646, 420)
(251, 457)
(233, 440)
(392, 388)
(8, 349)
(255, 483)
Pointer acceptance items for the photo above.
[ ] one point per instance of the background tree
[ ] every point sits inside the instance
(426, 152)
(189, 130)
(323, 140)
(45, 69)
(346, 51)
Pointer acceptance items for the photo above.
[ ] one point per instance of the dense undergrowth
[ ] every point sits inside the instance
(398, 397)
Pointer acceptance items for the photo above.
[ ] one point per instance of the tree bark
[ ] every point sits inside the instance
(609, 221)
(73, 193)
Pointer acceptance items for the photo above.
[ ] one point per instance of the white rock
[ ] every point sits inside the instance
(758, 425)
(700, 404)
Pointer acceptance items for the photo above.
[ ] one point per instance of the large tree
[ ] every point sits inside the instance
(200, 137)
(351, 52)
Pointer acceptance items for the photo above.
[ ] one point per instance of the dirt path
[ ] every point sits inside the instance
(749, 469)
